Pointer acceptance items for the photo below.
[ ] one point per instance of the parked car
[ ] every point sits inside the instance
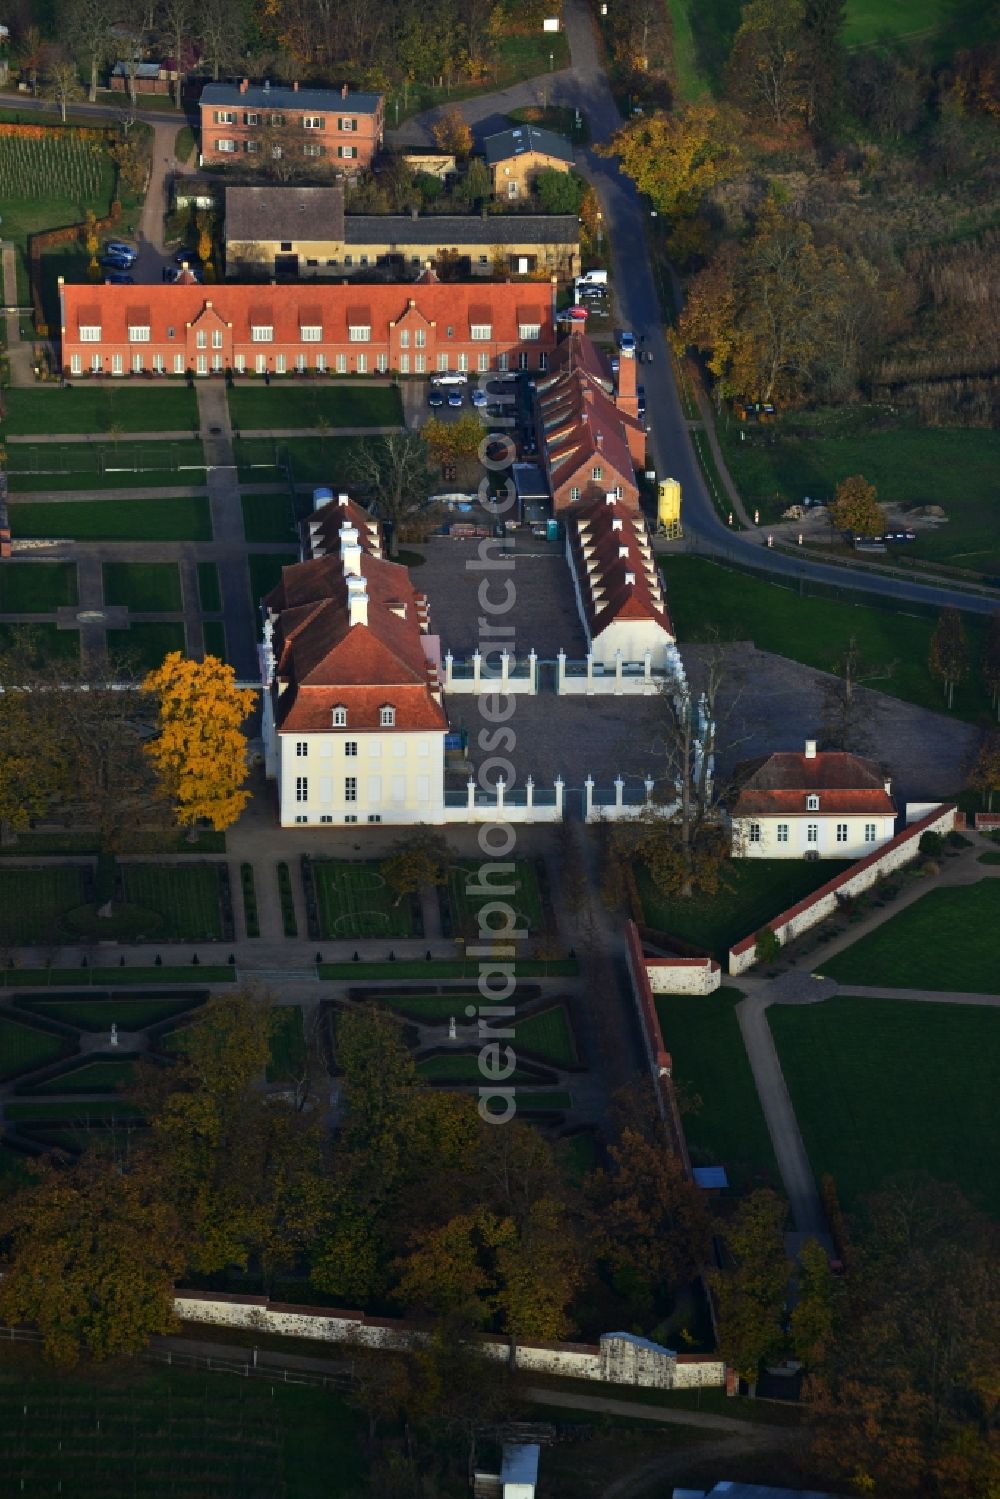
(435, 397)
(626, 341)
(641, 393)
(190, 257)
(479, 397)
(116, 263)
(616, 364)
(120, 248)
(118, 278)
(450, 377)
(454, 398)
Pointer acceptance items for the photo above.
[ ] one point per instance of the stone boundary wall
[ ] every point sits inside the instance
(902, 849)
(683, 975)
(986, 820)
(620, 1358)
(658, 1058)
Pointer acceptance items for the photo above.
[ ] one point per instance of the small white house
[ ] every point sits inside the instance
(813, 805)
(617, 582)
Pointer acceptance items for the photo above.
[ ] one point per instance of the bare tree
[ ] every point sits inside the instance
(847, 717)
(222, 33)
(86, 25)
(61, 81)
(179, 24)
(395, 472)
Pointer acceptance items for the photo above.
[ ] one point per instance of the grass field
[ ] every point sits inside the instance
(463, 1067)
(315, 460)
(104, 1075)
(172, 518)
(354, 901)
(707, 601)
(147, 643)
(269, 517)
(209, 593)
(23, 1048)
(98, 408)
(130, 1013)
(265, 572)
(36, 587)
(447, 968)
(548, 1036)
(951, 467)
(105, 464)
(702, 1034)
(466, 901)
(134, 1430)
(144, 587)
(271, 408)
(48, 978)
(882, 1086)
(430, 1008)
(46, 184)
(288, 1045)
(754, 891)
(34, 901)
(945, 940)
(48, 640)
(186, 896)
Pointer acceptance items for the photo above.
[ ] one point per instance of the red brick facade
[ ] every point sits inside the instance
(419, 328)
(325, 127)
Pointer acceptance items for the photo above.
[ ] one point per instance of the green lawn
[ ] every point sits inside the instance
(755, 890)
(143, 587)
(544, 1101)
(33, 903)
(315, 460)
(186, 897)
(691, 82)
(22, 1048)
(125, 463)
(269, 517)
(172, 518)
(128, 1012)
(288, 1045)
(46, 639)
(354, 901)
(446, 968)
(106, 1075)
(882, 1086)
(709, 601)
(148, 643)
(274, 407)
(36, 587)
(215, 639)
(20, 978)
(945, 940)
(430, 1009)
(548, 1036)
(98, 408)
(463, 1067)
(265, 572)
(953, 467)
(466, 901)
(159, 1433)
(209, 593)
(702, 1035)
(869, 21)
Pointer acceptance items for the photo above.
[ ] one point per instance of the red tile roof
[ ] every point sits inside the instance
(844, 783)
(581, 426)
(610, 546)
(320, 530)
(323, 661)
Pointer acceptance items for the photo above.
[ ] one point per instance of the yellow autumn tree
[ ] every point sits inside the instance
(200, 752)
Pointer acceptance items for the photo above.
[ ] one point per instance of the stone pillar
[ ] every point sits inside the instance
(504, 670)
(647, 666)
(588, 788)
(560, 786)
(650, 783)
(501, 786)
(471, 804)
(477, 669)
(533, 670)
(590, 672)
(529, 791)
(619, 795)
(560, 671)
(449, 661)
(618, 673)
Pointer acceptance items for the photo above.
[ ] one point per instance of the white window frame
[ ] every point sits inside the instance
(90, 334)
(313, 122)
(311, 334)
(404, 338)
(359, 333)
(261, 364)
(351, 748)
(782, 832)
(226, 145)
(350, 788)
(529, 333)
(481, 332)
(262, 333)
(201, 339)
(339, 717)
(216, 338)
(812, 802)
(404, 364)
(841, 832)
(279, 364)
(178, 364)
(301, 748)
(137, 364)
(301, 788)
(138, 335)
(387, 717)
(341, 364)
(202, 363)
(96, 364)
(420, 338)
(871, 832)
(362, 364)
(812, 832)
(75, 364)
(321, 364)
(240, 363)
(381, 363)
(754, 833)
(116, 364)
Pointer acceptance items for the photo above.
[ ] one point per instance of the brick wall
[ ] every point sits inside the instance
(683, 975)
(657, 1056)
(903, 849)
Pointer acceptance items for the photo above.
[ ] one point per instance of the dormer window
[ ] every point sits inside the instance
(340, 717)
(261, 333)
(387, 717)
(812, 802)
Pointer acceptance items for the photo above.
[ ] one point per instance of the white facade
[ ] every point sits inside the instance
(344, 778)
(822, 835)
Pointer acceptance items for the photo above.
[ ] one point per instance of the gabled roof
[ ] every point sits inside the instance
(323, 661)
(844, 783)
(523, 139)
(279, 96)
(295, 213)
(615, 565)
(581, 424)
(320, 530)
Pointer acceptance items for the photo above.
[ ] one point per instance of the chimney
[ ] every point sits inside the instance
(295, 86)
(630, 578)
(343, 91)
(350, 552)
(599, 436)
(343, 499)
(357, 601)
(887, 783)
(244, 85)
(623, 551)
(810, 749)
(267, 85)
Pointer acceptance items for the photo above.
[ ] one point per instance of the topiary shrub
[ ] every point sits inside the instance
(931, 843)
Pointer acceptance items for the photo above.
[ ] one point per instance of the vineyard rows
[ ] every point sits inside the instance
(68, 168)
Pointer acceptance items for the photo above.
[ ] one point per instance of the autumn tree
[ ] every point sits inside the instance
(394, 472)
(948, 658)
(61, 82)
(765, 71)
(991, 661)
(452, 134)
(985, 774)
(812, 1318)
(93, 1254)
(559, 192)
(750, 1294)
(855, 507)
(676, 159)
(454, 442)
(200, 753)
(415, 861)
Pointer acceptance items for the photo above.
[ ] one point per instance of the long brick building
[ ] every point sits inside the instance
(424, 327)
(331, 128)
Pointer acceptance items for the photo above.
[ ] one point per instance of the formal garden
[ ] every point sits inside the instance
(187, 902)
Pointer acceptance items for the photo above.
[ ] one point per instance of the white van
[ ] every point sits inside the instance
(592, 278)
